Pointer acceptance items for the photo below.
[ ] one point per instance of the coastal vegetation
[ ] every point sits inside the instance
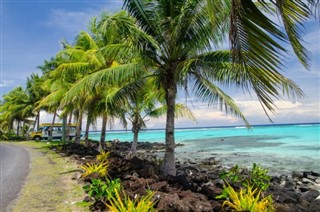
(136, 184)
(169, 45)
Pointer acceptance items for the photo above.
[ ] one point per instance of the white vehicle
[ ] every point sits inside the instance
(45, 129)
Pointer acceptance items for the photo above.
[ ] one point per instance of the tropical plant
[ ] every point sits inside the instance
(101, 190)
(36, 92)
(90, 58)
(149, 102)
(123, 203)
(89, 168)
(182, 48)
(54, 85)
(248, 199)
(257, 177)
(103, 157)
(15, 109)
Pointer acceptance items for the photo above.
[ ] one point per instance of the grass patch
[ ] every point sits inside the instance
(49, 186)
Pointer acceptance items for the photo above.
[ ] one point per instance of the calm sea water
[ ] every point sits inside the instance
(281, 148)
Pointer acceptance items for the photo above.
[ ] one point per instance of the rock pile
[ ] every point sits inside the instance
(196, 185)
(298, 192)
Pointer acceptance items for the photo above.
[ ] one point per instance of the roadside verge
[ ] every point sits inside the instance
(51, 184)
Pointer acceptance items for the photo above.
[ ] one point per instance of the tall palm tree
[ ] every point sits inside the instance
(36, 93)
(60, 78)
(54, 86)
(85, 61)
(106, 38)
(187, 35)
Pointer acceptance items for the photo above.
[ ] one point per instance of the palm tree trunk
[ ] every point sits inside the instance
(78, 130)
(10, 129)
(35, 122)
(50, 137)
(68, 127)
(134, 143)
(103, 133)
(64, 128)
(23, 128)
(18, 127)
(169, 157)
(86, 134)
(38, 120)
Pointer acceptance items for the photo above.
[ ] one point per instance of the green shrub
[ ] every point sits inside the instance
(103, 157)
(247, 199)
(257, 177)
(90, 168)
(101, 190)
(125, 204)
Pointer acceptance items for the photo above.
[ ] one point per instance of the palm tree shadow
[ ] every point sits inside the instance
(71, 171)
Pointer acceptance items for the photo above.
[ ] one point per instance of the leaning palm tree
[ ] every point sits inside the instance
(92, 57)
(70, 66)
(54, 85)
(36, 93)
(187, 35)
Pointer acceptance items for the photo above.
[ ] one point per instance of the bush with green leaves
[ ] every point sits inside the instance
(247, 199)
(100, 166)
(89, 168)
(123, 203)
(257, 177)
(101, 190)
(103, 157)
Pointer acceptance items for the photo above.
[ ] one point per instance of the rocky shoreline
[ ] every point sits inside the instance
(197, 183)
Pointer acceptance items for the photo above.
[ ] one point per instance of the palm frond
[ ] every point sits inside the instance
(181, 111)
(143, 12)
(293, 14)
(267, 84)
(250, 43)
(207, 91)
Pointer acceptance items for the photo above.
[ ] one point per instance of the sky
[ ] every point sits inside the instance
(31, 31)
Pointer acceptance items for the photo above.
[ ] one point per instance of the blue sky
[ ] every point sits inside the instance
(31, 31)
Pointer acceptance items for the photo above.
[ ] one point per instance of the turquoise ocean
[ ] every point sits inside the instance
(280, 148)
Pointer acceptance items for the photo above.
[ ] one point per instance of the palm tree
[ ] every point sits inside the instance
(85, 61)
(54, 87)
(36, 93)
(143, 102)
(60, 77)
(187, 35)
(148, 102)
(107, 37)
(16, 107)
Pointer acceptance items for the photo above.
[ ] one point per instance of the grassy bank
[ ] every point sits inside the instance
(49, 185)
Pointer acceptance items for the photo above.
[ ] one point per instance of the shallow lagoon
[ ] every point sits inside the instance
(281, 148)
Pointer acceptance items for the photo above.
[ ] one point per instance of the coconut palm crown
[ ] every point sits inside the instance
(187, 35)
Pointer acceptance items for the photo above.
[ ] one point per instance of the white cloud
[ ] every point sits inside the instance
(74, 21)
(285, 112)
(6, 83)
(69, 21)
